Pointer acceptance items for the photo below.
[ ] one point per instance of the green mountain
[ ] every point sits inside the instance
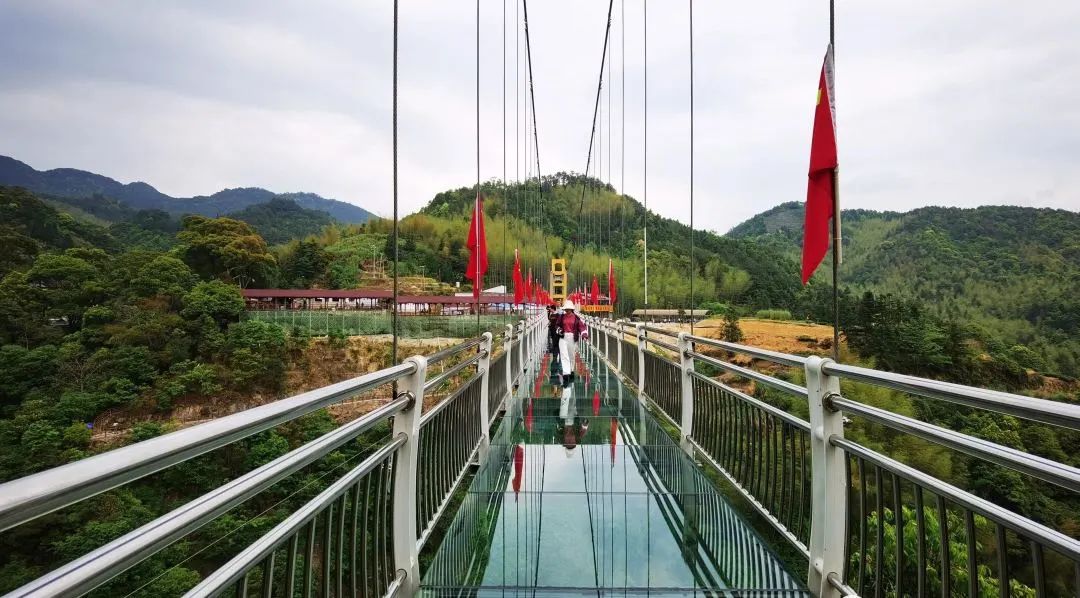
(591, 227)
(76, 184)
(280, 220)
(1012, 271)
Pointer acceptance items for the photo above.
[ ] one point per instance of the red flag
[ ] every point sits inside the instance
(529, 287)
(611, 291)
(596, 403)
(595, 299)
(519, 462)
(519, 282)
(614, 438)
(820, 191)
(477, 245)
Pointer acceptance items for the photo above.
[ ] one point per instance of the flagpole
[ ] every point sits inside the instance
(836, 209)
(476, 281)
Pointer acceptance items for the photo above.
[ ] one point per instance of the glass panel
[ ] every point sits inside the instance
(584, 493)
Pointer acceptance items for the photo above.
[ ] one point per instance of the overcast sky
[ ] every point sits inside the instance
(961, 102)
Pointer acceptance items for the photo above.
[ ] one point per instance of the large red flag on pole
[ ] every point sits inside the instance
(477, 245)
(821, 192)
(595, 298)
(529, 287)
(611, 289)
(519, 282)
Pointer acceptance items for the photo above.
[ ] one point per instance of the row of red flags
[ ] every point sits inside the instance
(821, 208)
(526, 288)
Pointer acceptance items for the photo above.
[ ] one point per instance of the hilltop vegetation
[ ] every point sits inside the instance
(79, 185)
(1008, 275)
(280, 220)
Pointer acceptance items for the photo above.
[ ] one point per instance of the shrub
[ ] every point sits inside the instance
(773, 314)
(731, 331)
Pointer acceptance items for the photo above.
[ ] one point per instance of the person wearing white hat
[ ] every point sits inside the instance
(573, 329)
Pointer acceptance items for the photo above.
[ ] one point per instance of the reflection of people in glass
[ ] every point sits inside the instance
(573, 429)
(573, 329)
(519, 464)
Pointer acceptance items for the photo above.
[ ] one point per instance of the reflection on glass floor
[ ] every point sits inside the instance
(584, 494)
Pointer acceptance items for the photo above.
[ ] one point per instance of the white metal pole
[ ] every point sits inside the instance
(485, 400)
(828, 498)
(407, 422)
(640, 329)
(686, 363)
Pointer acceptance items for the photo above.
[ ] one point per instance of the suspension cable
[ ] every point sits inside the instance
(536, 138)
(645, 144)
(693, 269)
(394, 118)
(505, 267)
(596, 108)
(622, 134)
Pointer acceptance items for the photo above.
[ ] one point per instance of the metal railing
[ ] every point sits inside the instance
(867, 524)
(360, 536)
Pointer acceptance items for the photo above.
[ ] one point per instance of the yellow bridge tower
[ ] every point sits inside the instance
(558, 280)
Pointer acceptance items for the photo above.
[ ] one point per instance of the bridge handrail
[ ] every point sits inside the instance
(442, 377)
(94, 568)
(1045, 469)
(35, 495)
(1040, 410)
(449, 352)
(256, 553)
(758, 440)
(783, 385)
(658, 330)
(430, 413)
(766, 354)
(1069, 547)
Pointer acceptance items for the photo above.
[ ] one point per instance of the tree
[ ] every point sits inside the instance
(731, 331)
(165, 276)
(68, 285)
(256, 354)
(219, 301)
(305, 264)
(227, 249)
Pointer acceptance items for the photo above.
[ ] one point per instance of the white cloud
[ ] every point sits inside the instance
(958, 103)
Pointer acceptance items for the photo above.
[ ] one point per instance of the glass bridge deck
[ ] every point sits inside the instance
(584, 493)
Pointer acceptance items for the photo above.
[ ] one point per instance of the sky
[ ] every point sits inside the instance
(958, 103)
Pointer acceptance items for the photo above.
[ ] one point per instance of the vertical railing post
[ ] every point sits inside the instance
(484, 367)
(607, 340)
(407, 422)
(828, 508)
(640, 330)
(523, 348)
(618, 345)
(686, 366)
(508, 350)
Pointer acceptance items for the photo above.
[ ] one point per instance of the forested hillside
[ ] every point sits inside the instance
(1011, 273)
(280, 220)
(81, 186)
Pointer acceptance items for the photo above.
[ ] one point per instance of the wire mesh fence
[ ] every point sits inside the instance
(365, 323)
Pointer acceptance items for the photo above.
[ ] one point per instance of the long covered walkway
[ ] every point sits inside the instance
(585, 494)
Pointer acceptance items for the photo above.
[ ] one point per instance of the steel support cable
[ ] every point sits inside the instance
(596, 108)
(693, 270)
(536, 138)
(505, 263)
(645, 145)
(622, 133)
(394, 316)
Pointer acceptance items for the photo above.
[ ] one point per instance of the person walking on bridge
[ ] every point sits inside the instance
(573, 329)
